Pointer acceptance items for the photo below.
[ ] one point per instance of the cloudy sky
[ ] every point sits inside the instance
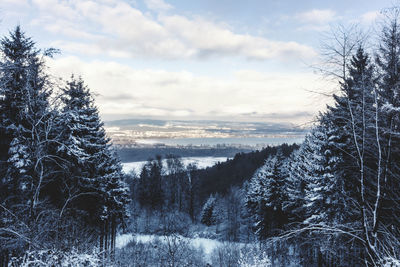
(177, 59)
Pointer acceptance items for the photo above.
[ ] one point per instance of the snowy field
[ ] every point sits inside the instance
(213, 252)
(205, 244)
(202, 163)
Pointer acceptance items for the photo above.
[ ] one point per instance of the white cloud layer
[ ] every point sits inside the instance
(158, 5)
(124, 92)
(370, 17)
(316, 19)
(117, 29)
(317, 16)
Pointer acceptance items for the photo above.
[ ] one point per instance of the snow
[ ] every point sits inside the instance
(202, 163)
(123, 240)
(207, 245)
(391, 262)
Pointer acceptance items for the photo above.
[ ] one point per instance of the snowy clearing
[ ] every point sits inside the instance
(202, 163)
(205, 244)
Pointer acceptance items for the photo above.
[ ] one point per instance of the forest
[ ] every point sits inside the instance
(332, 200)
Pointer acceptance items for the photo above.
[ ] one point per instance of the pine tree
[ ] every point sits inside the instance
(294, 186)
(96, 185)
(192, 182)
(208, 214)
(352, 120)
(255, 202)
(150, 192)
(321, 182)
(25, 129)
(266, 194)
(142, 195)
(388, 67)
(177, 185)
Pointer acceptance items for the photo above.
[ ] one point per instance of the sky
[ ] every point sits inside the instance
(225, 60)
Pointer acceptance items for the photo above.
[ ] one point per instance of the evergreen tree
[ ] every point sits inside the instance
(96, 185)
(294, 186)
(388, 67)
(208, 214)
(176, 182)
(156, 194)
(150, 192)
(322, 195)
(352, 120)
(143, 185)
(25, 129)
(265, 196)
(191, 189)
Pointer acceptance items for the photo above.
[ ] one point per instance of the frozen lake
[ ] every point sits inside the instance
(201, 162)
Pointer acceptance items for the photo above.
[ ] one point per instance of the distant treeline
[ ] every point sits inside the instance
(144, 153)
(170, 186)
(222, 176)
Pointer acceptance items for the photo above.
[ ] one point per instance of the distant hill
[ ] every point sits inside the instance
(220, 177)
(139, 131)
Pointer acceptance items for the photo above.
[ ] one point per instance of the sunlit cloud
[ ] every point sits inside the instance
(117, 29)
(126, 92)
(370, 17)
(316, 19)
(158, 5)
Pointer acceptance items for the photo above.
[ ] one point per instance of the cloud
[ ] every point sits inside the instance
(208, 39)
(55, 8)
(117, 29)
(158, 5)
(20, 3)
(316, 19)
(184, 95)
(370, 17)
(317, 16)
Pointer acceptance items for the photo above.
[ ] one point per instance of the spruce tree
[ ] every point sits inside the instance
(208, 214)
(96, 182)
(25, 126)
(150, 192)
(294, 186)
(265, 196)
(321, 201)
(388, 67)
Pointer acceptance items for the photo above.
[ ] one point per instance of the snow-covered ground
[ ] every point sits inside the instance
(202, 163)
(207, 245)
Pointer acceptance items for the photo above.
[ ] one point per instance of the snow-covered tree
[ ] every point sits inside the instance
(295, 185)
(150, 191)
(322, 193)
(26, 121)
(388, 118)
(208, 214)
(94, 184)
(266, 194)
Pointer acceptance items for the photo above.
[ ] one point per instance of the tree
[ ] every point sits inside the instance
(26, 121)
(208, 216)
(388, 119)
(295, 185)
(150, 192)
(59, 175)
(233, 204)
(266, 194)
(192, 181)
(94, 182)
(322, 192)
(177, 183)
